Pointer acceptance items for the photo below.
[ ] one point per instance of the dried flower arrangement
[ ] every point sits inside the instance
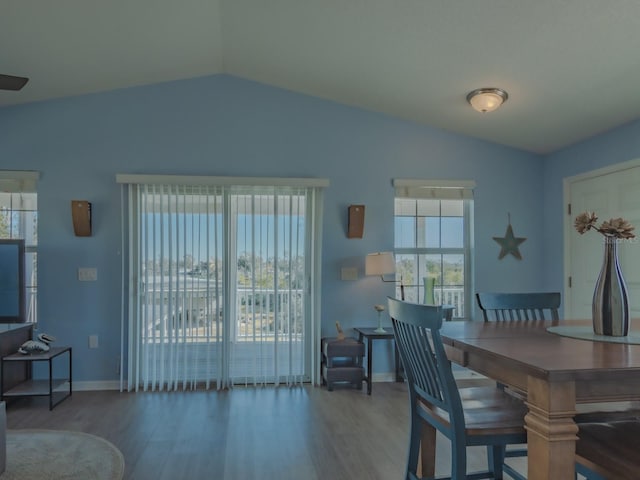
(614, 227)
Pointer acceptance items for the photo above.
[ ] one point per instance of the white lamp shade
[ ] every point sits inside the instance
(487, 99)
(380, 263)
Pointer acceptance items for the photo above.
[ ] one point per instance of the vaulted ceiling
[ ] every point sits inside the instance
(571, 67)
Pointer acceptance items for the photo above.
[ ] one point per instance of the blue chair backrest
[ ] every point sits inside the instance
(519, 306)
(416, 329)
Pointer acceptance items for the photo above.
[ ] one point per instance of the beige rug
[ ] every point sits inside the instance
(59, 454)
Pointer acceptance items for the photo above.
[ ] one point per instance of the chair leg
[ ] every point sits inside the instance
(428, 451)
(414, 445)
(496, 456)
(458, 459)
(587, 473)
(495, 460)
(513, 473)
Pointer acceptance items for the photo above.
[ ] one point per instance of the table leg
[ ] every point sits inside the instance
(51, 383)
(369, 363)
(70, 373)
(1, 379)
(551, 431)
(399, 377)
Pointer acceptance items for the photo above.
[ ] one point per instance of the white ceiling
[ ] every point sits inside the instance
(571, 67)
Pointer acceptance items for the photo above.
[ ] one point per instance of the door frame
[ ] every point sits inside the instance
(567, 182)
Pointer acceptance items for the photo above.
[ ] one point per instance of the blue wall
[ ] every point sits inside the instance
(223, 125)
(617, 146)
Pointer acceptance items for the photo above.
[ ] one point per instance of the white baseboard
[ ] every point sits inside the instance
(96, 385)
(384, 377)
(459, 373)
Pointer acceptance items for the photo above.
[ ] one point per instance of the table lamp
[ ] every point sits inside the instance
(382, 263)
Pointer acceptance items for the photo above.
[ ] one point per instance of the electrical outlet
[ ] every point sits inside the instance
(93, 341)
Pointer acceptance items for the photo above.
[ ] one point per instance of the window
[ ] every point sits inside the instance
(226, 277)
(19, 219)
(433, 242)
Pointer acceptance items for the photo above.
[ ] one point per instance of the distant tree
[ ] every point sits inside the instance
(245, 268)
(187, 262)
(4, 222)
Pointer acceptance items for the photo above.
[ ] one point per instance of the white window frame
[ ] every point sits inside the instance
(25, 182)
(445, 190)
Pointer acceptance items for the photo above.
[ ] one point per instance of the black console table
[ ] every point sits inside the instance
(30, 387)
(12, 335)
(370, 334)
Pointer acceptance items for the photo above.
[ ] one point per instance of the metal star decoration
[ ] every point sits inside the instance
(509, 243)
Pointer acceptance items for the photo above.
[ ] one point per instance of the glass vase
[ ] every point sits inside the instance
(610, 307)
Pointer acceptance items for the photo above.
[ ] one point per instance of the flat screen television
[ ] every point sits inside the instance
(12, 287)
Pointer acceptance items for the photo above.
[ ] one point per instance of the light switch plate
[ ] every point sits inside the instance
(87, 274)
(349, 273)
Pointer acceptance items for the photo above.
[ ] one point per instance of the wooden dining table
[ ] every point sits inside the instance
(556, 373)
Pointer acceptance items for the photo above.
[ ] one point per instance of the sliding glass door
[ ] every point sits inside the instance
(268, 252)
(222, 280)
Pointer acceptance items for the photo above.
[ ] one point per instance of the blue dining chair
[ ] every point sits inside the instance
(472, 416)
(608, 450)
(519, 306)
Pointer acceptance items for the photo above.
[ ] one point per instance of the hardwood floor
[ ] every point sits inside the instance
(245, 433)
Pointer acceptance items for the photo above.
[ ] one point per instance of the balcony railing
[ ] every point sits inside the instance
(447, 295)
(196, 314)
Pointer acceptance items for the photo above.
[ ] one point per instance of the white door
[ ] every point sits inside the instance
(611, 192)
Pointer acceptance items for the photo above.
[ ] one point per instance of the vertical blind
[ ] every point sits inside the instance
(223, 280)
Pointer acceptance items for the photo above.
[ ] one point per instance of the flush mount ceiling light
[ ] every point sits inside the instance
(487, 99)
